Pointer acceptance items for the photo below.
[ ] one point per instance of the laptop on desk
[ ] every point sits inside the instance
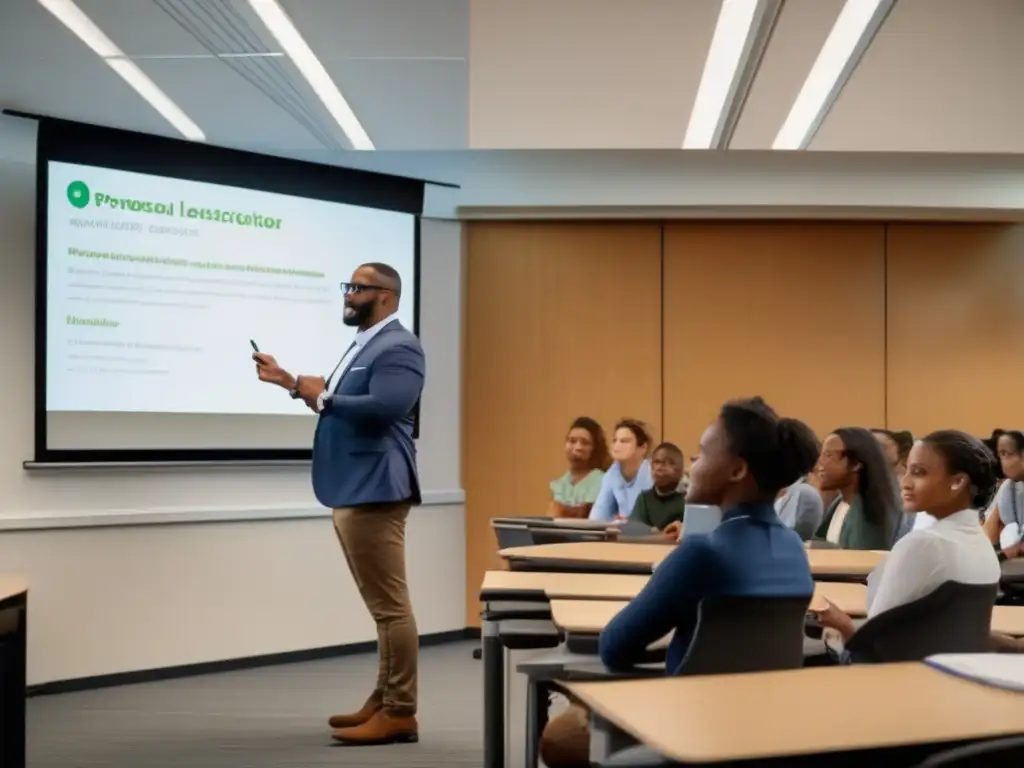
(700, 519)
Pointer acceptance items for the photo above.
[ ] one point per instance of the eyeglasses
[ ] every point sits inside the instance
(348, 288)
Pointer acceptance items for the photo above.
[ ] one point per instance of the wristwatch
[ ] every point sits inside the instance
(321, 401)
(294, 392)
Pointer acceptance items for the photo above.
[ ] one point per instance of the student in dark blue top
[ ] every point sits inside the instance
(746, 457)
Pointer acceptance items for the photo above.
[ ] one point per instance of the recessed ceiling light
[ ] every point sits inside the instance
(722, 66)
(288, 37)
(72, 17)
(855, 28)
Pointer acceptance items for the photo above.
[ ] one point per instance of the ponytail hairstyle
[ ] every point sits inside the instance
(965, 454)
(777, 451)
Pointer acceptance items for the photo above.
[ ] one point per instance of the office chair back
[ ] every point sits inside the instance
(955, 618)
(997, 753)
(747, 634)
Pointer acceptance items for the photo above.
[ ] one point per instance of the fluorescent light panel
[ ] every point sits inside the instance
(72, 17)
(722, 68)
(853, 31)
(288, 37)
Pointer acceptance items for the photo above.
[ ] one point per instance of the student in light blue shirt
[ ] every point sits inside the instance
(629, 476)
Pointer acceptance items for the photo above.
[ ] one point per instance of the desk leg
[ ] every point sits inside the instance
(494, 696)
(12, 687)
(538, 700)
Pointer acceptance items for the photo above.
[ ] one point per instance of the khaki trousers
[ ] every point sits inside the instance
(372, 538)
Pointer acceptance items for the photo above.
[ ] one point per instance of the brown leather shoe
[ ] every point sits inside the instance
(381, 728)
(368, 710)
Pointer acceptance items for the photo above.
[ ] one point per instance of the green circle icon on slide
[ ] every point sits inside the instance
(78, 194)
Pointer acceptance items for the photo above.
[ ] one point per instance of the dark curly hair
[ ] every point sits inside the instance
(599, 457)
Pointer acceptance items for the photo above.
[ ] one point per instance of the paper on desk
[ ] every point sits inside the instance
(1003, 670)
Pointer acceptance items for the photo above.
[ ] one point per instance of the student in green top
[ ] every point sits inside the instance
(663, 506)
(586, 449)
(864, 515)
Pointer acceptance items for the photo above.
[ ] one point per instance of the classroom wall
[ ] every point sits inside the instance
(955, 318)
(562, 320)
(914, 326)
(758, 308)
(114, 599)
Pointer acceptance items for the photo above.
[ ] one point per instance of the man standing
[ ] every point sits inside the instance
(364, 468)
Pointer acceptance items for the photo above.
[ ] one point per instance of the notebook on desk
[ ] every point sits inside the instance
(1002, 670)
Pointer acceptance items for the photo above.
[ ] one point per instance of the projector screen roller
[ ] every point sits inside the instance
(155, 287)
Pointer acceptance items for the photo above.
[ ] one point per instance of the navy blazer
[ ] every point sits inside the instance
(751, 553)
(363, 451)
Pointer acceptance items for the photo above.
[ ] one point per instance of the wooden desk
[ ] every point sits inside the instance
(554, 586)
(612, 552)
(13, 644)
(694, 719)
(1008, 620)
(852, 563)
(589, 617)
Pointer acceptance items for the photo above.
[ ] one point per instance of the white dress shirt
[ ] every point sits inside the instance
(361, 340)
(954, 548)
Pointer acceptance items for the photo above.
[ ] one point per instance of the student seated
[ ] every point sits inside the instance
(950, 474)
(586, 450)
(746, 457)
(662, 507)
(1004, 520)
(864, 515)
(629, 476)
(799, 506)
(896, 447)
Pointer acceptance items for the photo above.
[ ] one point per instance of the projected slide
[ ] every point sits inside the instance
(156, 285)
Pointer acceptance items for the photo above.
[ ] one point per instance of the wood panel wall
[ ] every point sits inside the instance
(562, 320)
(912, 326)
(794, 312)
(956, 327)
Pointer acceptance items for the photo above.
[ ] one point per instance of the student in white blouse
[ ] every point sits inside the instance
(951, 475)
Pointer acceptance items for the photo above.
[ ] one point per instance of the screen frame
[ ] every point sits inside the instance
(114, 149)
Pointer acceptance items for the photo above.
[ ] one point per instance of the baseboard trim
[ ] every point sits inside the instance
(231, 665)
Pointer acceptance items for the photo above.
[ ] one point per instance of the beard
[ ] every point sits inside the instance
(357, 314)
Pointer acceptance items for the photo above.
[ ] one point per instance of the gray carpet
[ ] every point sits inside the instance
(274, 717)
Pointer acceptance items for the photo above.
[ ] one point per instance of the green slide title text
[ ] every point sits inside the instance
(79, 195)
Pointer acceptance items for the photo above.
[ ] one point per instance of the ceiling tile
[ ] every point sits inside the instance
(941, 76)
(584, 74)
(392, 28)
(141, 28)
(407, 104)
(47, 70)
(233, 111)
(799, 33)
